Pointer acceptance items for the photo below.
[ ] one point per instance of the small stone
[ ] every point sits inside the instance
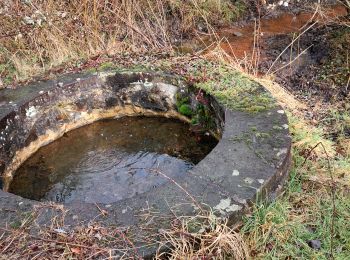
(248, 180)
(280, 111)
(148, 84)
(60, 84)
(225, 206)
(285, 126)
(314, 244)
(78, 79)
(282, 151)
(235, 173)
(60, 231)
(39, 21)
(28, 20)
(75, 217)
(261, 181)
(19, 36)
(271, 6)
(238, 34)
(31, 111)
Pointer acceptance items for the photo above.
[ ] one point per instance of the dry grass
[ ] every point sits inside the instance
(27, 238)
(37, 35)
(202, 237)
(315, 204)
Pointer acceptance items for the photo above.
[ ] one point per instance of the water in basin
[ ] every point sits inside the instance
(111, 160)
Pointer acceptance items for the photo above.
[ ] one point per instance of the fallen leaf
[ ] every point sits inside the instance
(76, 250)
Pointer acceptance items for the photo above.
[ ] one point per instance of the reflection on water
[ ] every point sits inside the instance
(111, 160)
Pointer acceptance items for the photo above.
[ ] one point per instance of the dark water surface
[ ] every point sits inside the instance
(111, 160)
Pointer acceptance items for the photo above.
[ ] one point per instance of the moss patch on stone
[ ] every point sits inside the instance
(230, 87)
(185, 110)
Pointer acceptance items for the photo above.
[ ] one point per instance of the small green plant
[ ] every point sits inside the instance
(203, 116)
(185, 110)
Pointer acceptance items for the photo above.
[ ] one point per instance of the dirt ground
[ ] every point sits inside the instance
(320, 74)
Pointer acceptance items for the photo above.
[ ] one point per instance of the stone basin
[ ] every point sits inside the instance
(250, 161)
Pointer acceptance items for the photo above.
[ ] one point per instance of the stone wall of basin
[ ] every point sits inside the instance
(60, 107)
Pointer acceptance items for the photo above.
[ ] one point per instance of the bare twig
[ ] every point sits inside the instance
(286, 48)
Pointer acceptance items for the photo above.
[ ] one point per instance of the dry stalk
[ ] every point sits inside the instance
(289, 45)
(333, 193)
(213, 240)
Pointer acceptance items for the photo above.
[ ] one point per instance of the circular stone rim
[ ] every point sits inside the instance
(219, 180)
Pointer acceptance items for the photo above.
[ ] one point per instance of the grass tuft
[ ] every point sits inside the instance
(202, 237)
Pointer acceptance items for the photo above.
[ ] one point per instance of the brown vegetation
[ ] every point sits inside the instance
(36, 35)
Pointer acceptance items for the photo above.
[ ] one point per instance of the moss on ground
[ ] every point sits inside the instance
(229, 86)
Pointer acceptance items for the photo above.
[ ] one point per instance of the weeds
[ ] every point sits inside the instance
(202, 237)
(303, 213)
(37, 35)
(315, 205)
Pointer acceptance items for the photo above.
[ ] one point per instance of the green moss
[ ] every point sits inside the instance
(181, 100)
(106, 65)
(185, 110)
(16, 224)
(7, 72)
(230, 87)
(204, 117)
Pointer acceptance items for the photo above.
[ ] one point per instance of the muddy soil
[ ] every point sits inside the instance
(320, 76)
(315, 68)
(275, 8)
(322, 67)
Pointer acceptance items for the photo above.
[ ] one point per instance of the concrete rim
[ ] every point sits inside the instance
(251, 160)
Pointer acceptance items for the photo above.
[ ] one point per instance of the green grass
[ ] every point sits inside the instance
(282, 229)
(7, 70)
